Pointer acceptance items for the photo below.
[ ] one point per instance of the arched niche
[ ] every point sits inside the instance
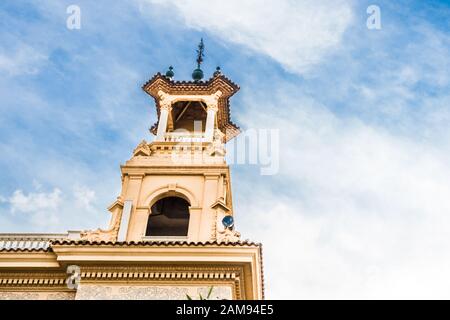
(169, 217)
(170, 191)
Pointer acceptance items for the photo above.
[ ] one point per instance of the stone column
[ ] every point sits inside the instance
(208, 217)
(212, 103)
(132, 195)
(165, 102)
(210, 122)
(162, 123)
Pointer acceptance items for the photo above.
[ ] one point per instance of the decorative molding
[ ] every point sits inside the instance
(99, 277)
(169, 292)
(104, 235)
(220, 203)
(164, 169)
(173, 276)
(217, 147)
(165, 100)
(143, 149)
(17, 295)
(212, 100)
(228, 236)
(117, 203)
(30, 280)
(161, 276)
(169, 189)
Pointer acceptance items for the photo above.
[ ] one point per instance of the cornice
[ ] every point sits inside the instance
(174, 170)
(32, 258)
(161, 82)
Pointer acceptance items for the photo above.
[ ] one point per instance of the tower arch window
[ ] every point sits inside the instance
(185, 113)
(168, 217)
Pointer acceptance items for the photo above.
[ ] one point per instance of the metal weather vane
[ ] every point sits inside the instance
(200, 53)
(197, 75)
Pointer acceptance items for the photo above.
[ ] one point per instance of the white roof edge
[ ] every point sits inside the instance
(30, 235)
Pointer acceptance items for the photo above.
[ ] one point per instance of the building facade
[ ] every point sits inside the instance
(171, 233)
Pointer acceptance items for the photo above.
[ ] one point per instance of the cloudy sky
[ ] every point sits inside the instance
(360, 206)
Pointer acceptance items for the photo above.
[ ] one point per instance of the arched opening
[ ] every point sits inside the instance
(168, 217)
(184, 113)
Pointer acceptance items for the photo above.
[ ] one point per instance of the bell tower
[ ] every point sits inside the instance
(177, 187)
(183, 169)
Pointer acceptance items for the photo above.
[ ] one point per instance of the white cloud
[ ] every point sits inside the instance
(68, 208)
(40, 209)
(369, 218)
(84, 197)
(297, 34)
(34, 202)
(24, 60)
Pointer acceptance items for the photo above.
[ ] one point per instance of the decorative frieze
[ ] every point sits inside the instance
(32, 280)
(40, 295)
(169, 292)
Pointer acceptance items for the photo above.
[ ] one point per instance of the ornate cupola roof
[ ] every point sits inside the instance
(218, 85)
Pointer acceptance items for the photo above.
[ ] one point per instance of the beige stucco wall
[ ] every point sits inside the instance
(151, 292)
(200, 186)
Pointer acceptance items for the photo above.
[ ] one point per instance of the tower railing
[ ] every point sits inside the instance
(184, 137)
(180, 136)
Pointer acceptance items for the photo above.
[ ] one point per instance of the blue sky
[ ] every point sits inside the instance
(362, 196)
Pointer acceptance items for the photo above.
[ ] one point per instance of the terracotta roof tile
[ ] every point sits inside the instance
(190, 83)
(25, 249)
(155, 243)
(129, 243)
